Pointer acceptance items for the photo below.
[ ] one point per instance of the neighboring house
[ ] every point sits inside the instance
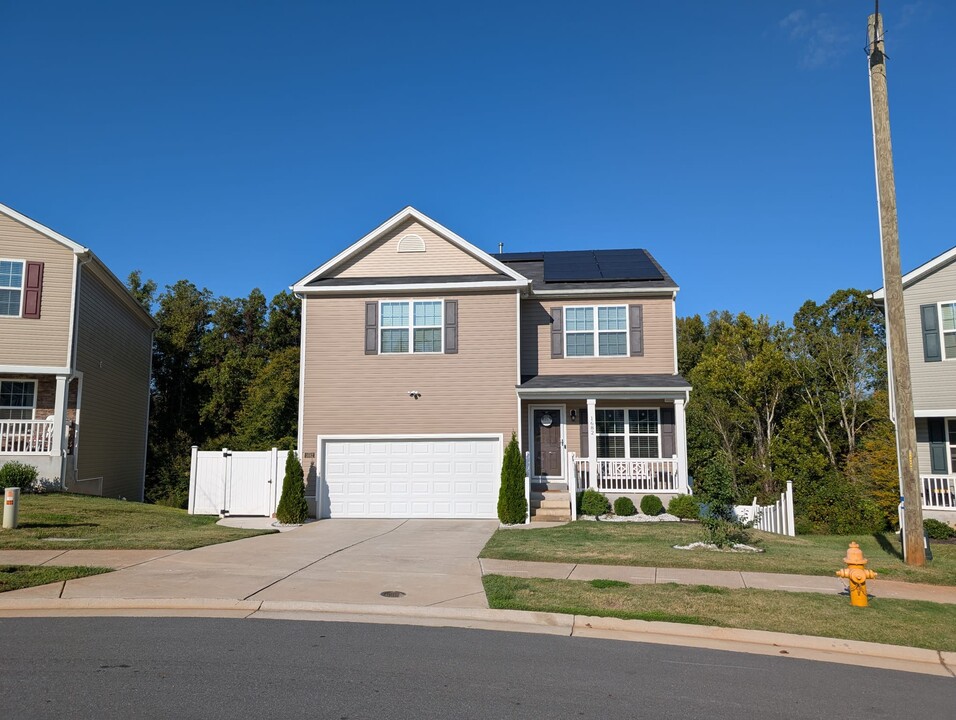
(421, 354)
(75, 357)
(929, 299)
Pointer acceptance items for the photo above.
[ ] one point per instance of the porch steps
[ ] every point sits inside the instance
(550, 506)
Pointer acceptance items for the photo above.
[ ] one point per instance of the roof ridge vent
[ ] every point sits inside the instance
(411, 243)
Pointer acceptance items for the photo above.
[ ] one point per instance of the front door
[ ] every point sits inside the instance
(547, 443)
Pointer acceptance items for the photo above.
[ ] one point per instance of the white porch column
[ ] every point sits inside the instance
(680, 440)
(592, 443)
(61, 400)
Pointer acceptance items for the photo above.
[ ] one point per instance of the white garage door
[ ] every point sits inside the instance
(420, 478)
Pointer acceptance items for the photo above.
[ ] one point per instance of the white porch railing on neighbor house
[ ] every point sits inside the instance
(776, 518)
(26, 437)
(939, 492)
(627, 475)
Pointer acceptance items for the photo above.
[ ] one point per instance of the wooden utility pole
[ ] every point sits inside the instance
(893, 283)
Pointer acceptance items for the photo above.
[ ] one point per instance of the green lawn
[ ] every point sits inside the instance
(897, 622)
(17, 577)
(651, 544)
(64, 521)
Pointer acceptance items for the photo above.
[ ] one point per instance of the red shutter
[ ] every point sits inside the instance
(32, 290)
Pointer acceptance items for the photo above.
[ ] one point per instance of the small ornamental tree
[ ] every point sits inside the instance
(292, 508)
(512, 505)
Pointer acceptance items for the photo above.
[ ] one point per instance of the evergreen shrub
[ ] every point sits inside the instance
(594, 503)
(16, 474)
(685, 507)
(937, 530)
(512, 505)
(651, 505)
(293, 508)
(624, 507)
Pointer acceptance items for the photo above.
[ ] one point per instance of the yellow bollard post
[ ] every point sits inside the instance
(856, 572)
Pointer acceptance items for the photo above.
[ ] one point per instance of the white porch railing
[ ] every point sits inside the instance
(628, 475)
(26, 437)
(939, 492)
(776, 518)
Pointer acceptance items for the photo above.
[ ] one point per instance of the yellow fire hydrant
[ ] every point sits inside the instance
(856, 572)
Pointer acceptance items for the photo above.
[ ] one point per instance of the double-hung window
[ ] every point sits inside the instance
(597, 330)
(17, 399)
(411, 326)
(947, 316)
(11, 287)
(628, 433)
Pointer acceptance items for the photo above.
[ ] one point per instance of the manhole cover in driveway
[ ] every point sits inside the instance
(392, 594)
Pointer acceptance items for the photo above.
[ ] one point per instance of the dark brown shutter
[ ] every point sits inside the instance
(636, 313)
(451, 326)
(371, 328)
(583, 419)
(557, 332)
(937, 445)
(668, 443)
(32, 290)
(930, 322)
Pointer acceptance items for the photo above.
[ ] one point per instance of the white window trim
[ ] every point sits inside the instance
(627, 433)
(33, 410)
(950, 447)
(411, 327)
(943, 333)
(23, 282)
(595, 332)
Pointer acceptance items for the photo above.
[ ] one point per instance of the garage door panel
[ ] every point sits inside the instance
(413, 478)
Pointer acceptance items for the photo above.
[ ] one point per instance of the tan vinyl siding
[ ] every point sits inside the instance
(43, 342)
(113, 352)
(658, 340)
(348, 392)
(441, 257)
(934, 383)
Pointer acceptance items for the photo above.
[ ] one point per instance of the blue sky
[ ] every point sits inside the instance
(242, 144)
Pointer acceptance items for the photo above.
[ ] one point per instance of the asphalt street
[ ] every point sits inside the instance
(216, 668)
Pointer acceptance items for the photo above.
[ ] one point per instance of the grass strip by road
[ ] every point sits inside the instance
(81, 522)
(651, 544)
(17, 577)
(896, 622)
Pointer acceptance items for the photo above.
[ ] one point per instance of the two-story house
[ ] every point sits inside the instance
(929, 301)
(422, 354)
(75, 358)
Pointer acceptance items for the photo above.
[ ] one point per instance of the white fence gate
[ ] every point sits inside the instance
(224, 482)
(776, 518)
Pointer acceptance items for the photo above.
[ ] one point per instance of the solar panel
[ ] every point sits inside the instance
(598, 265)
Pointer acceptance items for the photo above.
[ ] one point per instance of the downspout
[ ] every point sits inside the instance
(79, 261)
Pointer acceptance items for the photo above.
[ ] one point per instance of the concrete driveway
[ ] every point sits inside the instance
(433, 562)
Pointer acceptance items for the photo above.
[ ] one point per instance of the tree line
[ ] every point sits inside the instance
(771, 402)
(225, 374)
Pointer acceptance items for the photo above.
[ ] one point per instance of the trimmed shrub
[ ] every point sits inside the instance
(651, 505)
(723, 532)
(937, 530)
(624, 507)
(685, 507)
(594, 503)
(293, 508)
(512, 505)
(16, 474)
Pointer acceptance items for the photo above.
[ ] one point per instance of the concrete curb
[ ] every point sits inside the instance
(762, 642)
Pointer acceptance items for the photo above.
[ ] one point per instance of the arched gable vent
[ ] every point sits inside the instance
(411, 243)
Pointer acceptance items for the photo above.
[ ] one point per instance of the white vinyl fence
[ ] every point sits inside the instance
(776, 518)
(225, 482)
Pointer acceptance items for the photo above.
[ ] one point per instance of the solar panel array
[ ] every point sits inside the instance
(597, 265)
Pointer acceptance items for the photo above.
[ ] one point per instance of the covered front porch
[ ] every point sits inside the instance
(38, 414)
(618, 434)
